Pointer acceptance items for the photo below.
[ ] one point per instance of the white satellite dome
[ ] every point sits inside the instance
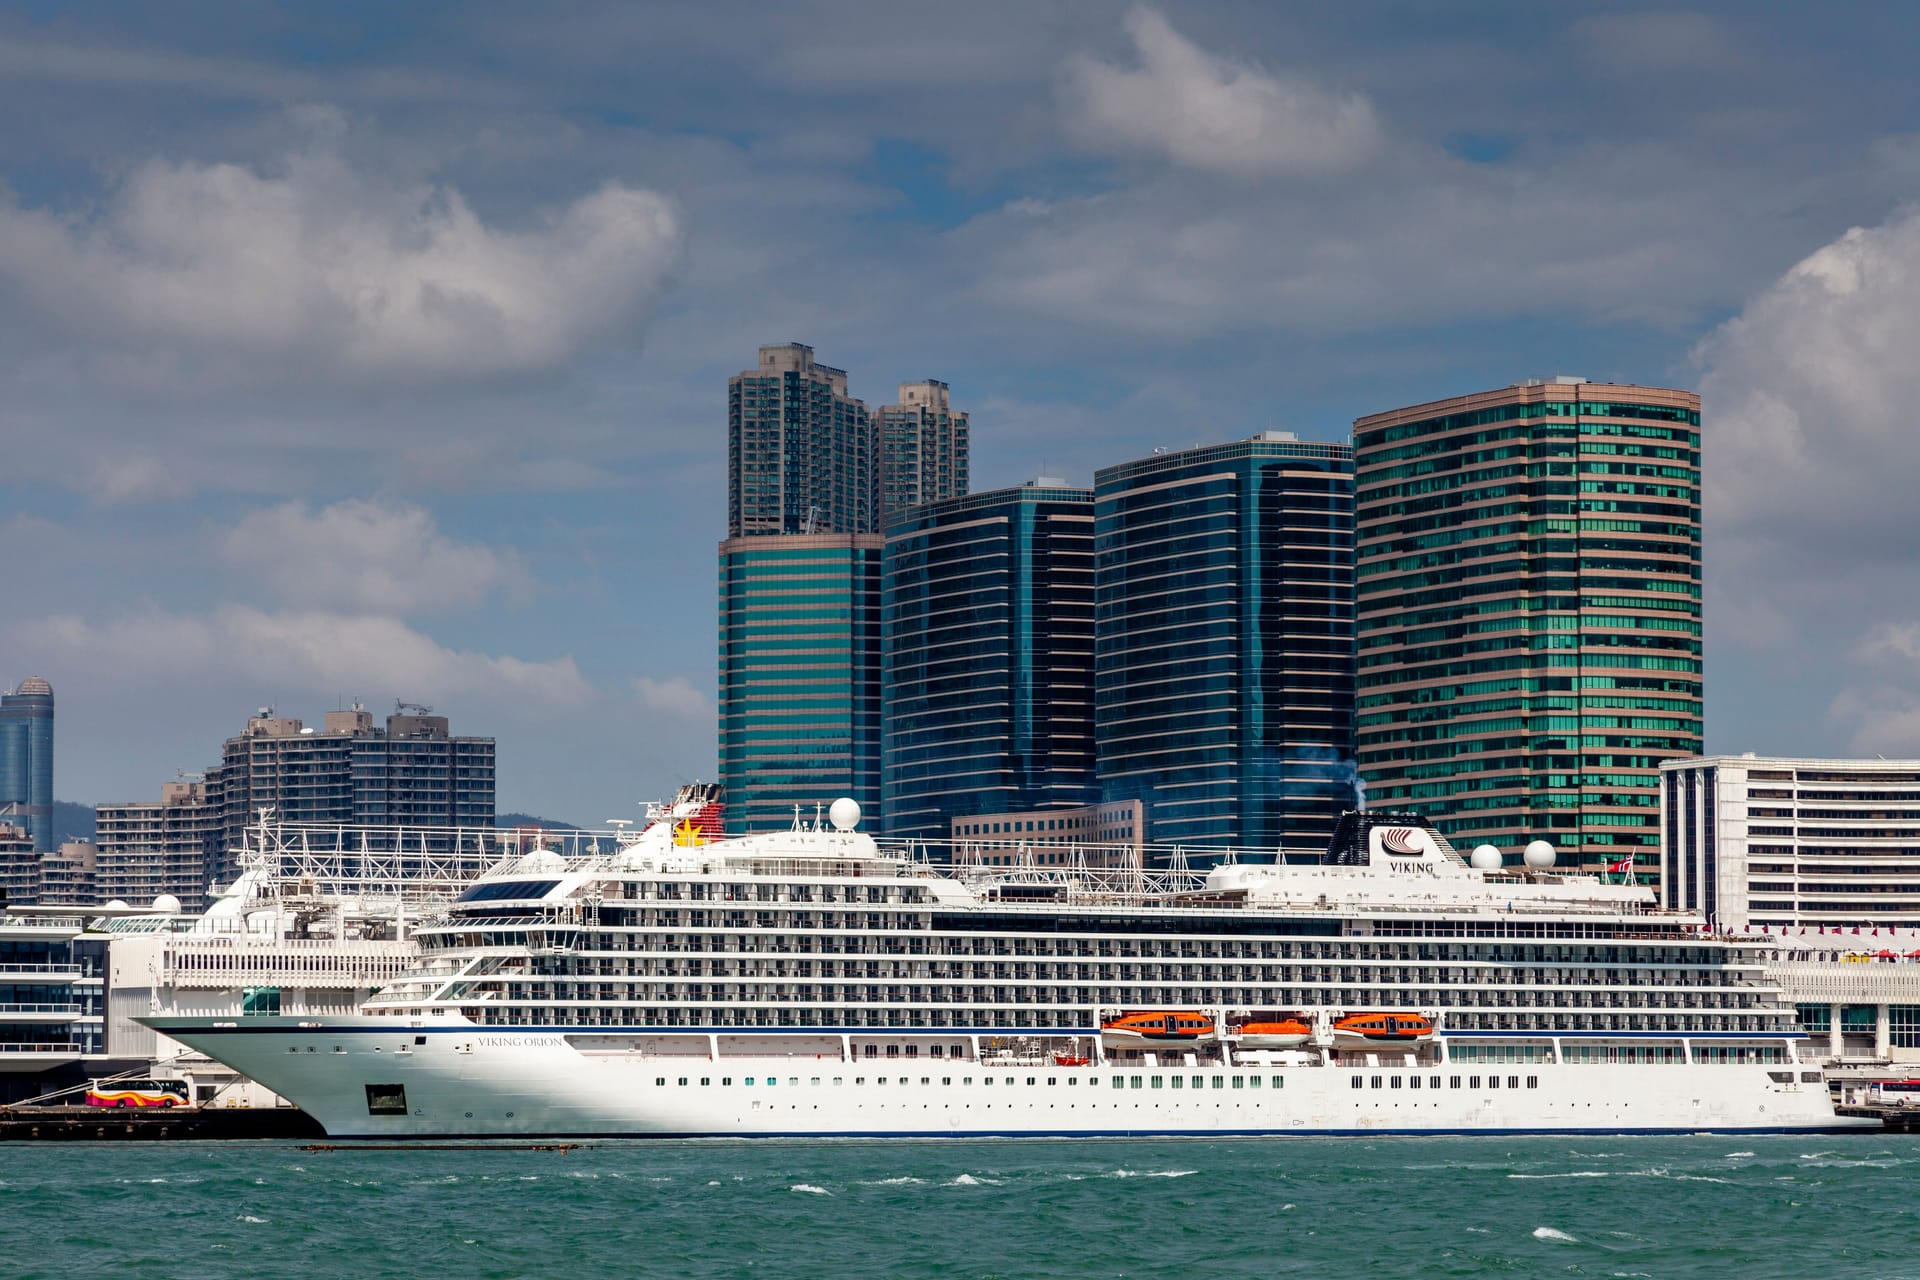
(1539, 855)
(1485, 858)
(543, 860)
(167, 904)
(118, 904)
(844, 813)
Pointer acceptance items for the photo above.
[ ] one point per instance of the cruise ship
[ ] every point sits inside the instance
(821, 983)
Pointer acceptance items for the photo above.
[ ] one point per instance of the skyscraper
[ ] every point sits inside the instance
(923, 448)
(799, 704)
(987, 635)
(26, 760)
(802, 456)
(1529, 611)
(800, 576)
(1223, 641)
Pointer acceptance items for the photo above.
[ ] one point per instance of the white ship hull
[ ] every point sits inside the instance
(466, 1081)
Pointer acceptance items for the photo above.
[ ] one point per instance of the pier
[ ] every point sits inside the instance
(1898, 1117)
(153, 1124)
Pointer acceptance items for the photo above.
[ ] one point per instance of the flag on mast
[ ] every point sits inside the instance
(1624, 867)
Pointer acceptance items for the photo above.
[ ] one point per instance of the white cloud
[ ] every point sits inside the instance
(1811, 456)
(1429, 238)
(1812, 391)
(674, 698)
(297, 651)
(1658, 44)
(319, 271)
(1206, 112)
(133, 478)
(365, 555)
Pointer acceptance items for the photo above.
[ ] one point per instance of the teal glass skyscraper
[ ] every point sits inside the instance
(1223, 641)
(1529, 612)
(26, 760)
(811, 474)
(799, 676)
(987, 635)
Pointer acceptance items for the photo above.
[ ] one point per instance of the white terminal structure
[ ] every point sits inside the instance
(1824, 856)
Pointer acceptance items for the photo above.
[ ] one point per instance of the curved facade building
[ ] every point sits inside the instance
(987, 631)
(1529, 614)
(26, 760)
(1223, 658)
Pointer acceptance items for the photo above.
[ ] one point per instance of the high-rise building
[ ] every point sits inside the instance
(923, 448)
(1528, 612)
(26, 760)
(987, 637)
(802, 456)
(809, 477)
(19, 866)
(148, 848)
(799, 703)
(412, 773)
(1223, 641)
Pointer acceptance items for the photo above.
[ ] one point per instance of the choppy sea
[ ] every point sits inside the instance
(1743, 1208)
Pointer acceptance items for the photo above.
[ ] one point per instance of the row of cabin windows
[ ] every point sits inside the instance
(1197, 1081)
(1433, 1082)
(1035, 1015)
(882, 927)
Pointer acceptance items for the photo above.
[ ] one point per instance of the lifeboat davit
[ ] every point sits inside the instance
(1151, 1030)
(1382, 1028)
(1284, 1034)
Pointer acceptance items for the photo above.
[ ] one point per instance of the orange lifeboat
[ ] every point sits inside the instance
(1070, 1060)
(1284, 1034)
(1137, 1030)
(1383, 1028)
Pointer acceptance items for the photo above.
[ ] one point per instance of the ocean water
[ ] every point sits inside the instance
(1740, 1208)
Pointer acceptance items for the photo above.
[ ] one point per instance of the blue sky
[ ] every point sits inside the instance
(381, 352)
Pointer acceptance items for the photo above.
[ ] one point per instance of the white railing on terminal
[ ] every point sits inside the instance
(228, 961)
(1831, 982)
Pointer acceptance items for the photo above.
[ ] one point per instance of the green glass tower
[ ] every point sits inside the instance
(1528, 613)
(26, 760)
(799, 676)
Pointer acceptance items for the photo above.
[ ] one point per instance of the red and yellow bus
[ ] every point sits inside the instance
(137, 1093)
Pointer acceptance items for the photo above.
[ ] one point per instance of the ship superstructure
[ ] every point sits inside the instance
(817, 981)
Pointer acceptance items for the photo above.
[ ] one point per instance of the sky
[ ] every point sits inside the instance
(380, 352)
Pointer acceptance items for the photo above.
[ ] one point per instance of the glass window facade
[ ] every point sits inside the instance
(1223, 654)
(799, 676)
(1529, 612)
(26, 761)
(987, 631)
